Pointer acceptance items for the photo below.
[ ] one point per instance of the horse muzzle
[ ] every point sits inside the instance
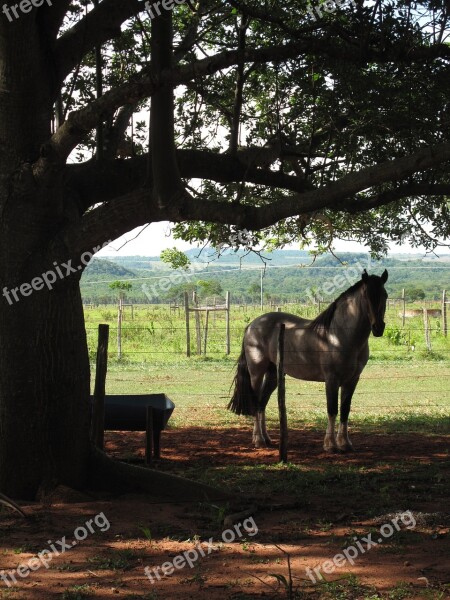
(378, 329)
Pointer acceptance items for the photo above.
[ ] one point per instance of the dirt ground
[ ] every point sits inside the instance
(331, 512)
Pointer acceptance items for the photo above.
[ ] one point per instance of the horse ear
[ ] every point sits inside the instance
(365, 276)
(384, 276)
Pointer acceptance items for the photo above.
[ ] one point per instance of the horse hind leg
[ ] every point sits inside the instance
(258, 437)
(329, 442)
(343, 442)
(268, 387)
(266, 384)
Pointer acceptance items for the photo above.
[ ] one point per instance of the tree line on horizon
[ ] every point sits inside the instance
(420, 280)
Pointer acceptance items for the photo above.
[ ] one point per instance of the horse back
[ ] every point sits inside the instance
(309, 354)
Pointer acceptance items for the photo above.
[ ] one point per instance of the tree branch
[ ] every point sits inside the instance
(80, 122)
(111, 220)
(274, 18)
(115, 134)
(167, 184)
(53, 16)
(188, 41)
(94, 183)
(124, 213)
(239, 89)
(358, 205)
(97, 27)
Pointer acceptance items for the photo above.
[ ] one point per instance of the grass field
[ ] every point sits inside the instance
(403, 386)
(397, 395)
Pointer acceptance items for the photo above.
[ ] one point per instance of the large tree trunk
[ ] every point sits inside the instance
(44, 367)
(44, 389)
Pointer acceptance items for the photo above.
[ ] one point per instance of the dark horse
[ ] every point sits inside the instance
(332, 348)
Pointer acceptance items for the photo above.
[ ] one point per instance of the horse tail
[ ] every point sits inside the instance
(244, 400)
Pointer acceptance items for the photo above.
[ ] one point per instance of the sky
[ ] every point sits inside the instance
(151, 240)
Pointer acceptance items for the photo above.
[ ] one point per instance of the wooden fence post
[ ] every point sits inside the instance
(404, 307)
(119, 329)
(205, 338)
(426, 328)
(227, 321)
(188, 334)
(444, 312)
(98, 404)
(198, 332)
(282, 396)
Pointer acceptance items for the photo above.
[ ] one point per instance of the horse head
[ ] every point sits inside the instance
(375, 296)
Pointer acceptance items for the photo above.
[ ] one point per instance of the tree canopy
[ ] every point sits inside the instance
(303, 129)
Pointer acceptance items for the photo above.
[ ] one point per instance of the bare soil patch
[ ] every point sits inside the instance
(311, 525)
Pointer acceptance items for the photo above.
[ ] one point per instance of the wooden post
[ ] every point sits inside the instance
(205, 340)
(119, 329)
(98, 406)
(149, 436)
(444, 312)
(404, 307)
(198, 331)
(188, 334)
(282, 396)
(426, 328)
(227, 321)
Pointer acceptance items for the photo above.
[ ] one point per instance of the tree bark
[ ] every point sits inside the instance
(44, 389)
(44, 366)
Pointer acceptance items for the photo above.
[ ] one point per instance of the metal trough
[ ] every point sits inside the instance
(128, 412)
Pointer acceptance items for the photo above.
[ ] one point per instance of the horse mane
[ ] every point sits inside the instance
(323, 321)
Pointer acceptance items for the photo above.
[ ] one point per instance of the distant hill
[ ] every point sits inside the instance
(290, 275)
(101, 268)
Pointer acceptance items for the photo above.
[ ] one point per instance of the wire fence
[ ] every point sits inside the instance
(402, 376)
(160, 331)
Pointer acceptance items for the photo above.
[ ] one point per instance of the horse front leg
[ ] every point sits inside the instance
(332, 391)
(266, 436)
(343, 442)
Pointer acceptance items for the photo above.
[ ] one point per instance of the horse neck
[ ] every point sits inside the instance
(351, 315)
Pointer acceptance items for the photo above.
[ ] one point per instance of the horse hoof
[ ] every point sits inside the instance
(345, 449)
(259, 444)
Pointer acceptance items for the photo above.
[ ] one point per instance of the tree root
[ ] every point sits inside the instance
(11, 504)
(108, 474)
